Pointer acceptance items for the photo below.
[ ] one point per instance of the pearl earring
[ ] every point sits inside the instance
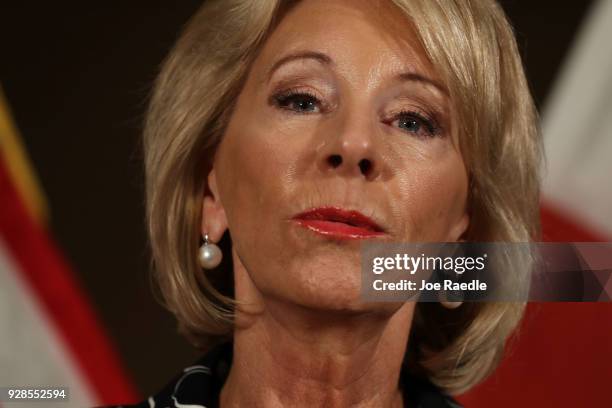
(449, 304)
(209, 255)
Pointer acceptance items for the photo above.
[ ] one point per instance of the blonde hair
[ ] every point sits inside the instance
(473, 48)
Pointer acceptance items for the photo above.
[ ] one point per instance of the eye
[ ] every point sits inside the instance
(415, 123)
(297, 101)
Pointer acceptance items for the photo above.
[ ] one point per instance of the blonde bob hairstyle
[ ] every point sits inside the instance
(473, 48)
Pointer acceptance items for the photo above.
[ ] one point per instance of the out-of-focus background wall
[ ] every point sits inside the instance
(76, 306)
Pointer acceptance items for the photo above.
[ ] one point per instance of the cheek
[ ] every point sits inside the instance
(257, 163)
(253, 166)
(244, 177)
(432, 196)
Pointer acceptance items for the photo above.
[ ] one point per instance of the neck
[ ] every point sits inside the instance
(290, 355)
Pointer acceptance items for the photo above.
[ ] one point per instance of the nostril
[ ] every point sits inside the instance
(335, 160)
(365, 166)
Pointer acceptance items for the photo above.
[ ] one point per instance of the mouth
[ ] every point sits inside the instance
(338, 223)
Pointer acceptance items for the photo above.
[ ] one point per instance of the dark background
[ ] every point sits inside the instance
(77, 76)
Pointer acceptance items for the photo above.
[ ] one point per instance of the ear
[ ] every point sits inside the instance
(458, 230)
(214, 221)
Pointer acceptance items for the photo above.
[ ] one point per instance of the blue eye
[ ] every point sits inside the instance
(410, 124)
(300, 102)
(413, 122)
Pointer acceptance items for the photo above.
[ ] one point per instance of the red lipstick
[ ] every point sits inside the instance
(338, 223)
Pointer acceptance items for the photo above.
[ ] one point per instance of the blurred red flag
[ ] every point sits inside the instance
(50, 334)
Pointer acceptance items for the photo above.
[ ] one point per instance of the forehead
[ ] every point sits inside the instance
(359, 35)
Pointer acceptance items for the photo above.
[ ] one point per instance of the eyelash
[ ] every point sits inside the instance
(284, 99)
(430, 126)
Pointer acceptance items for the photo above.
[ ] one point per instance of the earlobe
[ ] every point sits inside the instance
(214, 221)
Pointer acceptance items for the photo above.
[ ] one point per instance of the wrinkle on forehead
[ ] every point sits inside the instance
(390, 45)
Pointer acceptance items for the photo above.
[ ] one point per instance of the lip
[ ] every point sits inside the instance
(336, 222)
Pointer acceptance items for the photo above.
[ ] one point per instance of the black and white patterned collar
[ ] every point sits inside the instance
(199, 386)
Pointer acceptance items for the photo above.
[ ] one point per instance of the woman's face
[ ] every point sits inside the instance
(342, 110)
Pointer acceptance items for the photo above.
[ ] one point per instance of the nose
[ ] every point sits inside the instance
(351, 151)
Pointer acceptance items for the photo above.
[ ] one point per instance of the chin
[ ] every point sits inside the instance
(332, 285)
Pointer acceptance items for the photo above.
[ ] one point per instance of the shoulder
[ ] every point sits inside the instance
(195, 386)
(422, 393)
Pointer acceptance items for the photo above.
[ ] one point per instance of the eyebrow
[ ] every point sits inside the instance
(325, 59)
(416, 77)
